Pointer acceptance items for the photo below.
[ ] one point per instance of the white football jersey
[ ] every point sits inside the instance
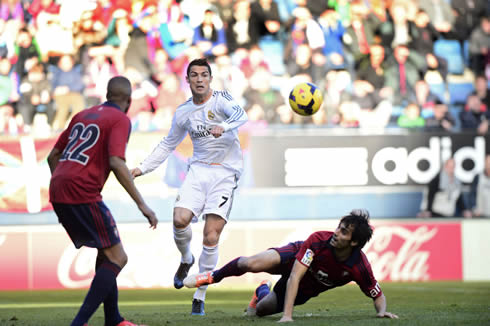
(197, 121)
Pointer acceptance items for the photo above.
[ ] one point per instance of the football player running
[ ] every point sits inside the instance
(211, 118)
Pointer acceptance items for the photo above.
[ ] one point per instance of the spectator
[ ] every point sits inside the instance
(359, 36)
(137, 52)
(27, 52)
(255, 60)
(261, 97)
(232, 78)
(143, 93)
(209, 37)
(241, 33)
(303, 64)
(118, 38)
(425, 99)
(423, 42)
(397, 29)
(8, 96)
(97, 74)
(337, 82)
(265, 15)
(176, 36)
(67, 85)
(411, 118)
(442, 120)
(444, 195)
(372, 70)
(403, 70)
(468, 14)
(170, 94)
(482, 90)
(479, 46)
(306, 36)
(441, 15)
(475, 115)
(88, 32)
(480, 191)
(12, 10)
(35, 98)
(372, 111)
(333, 50)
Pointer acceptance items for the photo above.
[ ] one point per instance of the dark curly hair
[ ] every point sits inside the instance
(363, 231)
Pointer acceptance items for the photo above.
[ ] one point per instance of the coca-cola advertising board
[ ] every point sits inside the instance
(43, 257)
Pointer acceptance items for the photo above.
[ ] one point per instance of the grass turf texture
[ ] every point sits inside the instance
(436, 303)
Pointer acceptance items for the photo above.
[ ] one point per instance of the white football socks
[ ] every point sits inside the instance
(182, 238)
(207, 262)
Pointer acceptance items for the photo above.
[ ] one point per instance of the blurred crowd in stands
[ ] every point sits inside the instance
(415, 64)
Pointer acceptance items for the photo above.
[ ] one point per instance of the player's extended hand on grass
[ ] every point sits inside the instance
(387, 315)
(285, 319)
(136, 172)
(217, 131)
(149, 214)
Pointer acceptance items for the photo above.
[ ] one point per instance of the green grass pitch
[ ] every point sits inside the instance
(428, 303)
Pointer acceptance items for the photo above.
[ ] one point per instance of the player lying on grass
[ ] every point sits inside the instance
(307, 268)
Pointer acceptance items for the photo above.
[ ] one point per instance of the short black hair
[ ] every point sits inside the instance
(363, 231)
(199, 62)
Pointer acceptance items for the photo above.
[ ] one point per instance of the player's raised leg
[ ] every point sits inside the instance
(266, 261)
(182, 238)
(209, 257)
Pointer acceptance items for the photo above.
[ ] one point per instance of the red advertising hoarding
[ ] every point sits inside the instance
(42, 257)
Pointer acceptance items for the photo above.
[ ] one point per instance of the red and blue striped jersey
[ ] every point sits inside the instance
(92, 137)
(325, 272)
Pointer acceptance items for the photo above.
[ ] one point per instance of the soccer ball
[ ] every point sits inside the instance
(305, 99)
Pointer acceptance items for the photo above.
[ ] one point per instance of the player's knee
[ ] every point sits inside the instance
(211, 238)
(121, 259)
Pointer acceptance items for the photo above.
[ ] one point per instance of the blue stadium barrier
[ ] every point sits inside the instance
(459, 92)
(451, 51)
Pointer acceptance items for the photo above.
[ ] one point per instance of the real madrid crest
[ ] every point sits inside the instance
(210, 115)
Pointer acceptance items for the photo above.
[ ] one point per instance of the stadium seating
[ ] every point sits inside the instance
(460, 91)
(451, 51)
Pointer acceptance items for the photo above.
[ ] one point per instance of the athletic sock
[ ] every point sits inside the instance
(111, 309)
(182, 238)
(230, 269)
(104, 280)
(262, 291)
(112, 315)
(207, 262)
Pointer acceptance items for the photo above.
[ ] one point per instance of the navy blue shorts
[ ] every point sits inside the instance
(288, 257)
(88, 225)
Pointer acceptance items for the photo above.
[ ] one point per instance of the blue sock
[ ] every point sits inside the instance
(111, 309)
(262, 291)
(102, 284)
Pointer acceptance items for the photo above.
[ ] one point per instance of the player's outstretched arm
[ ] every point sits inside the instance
(380, 306)
(297, 274)
(118, 166)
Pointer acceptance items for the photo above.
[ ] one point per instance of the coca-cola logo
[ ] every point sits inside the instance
(395, 253)
(152, 262)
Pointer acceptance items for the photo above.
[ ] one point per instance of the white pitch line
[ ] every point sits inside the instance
(121, 303)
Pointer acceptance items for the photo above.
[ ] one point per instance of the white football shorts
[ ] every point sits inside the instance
(207, 189)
